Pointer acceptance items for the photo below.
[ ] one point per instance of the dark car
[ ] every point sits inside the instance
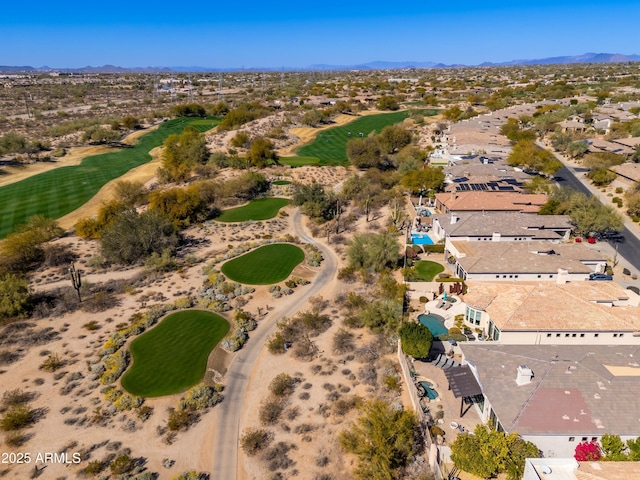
(600, 276)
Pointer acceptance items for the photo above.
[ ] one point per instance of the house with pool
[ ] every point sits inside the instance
(523, 261)
(500, 227)
(544, 313)
(557, 396)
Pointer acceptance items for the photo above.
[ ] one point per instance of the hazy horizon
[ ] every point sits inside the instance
(296, 35)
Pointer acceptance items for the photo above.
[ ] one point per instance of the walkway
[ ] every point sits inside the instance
(226, 441)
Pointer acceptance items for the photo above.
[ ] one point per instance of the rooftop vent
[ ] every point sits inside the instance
(524, 375)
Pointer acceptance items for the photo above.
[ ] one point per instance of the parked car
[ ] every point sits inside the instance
(469, 334)
(600, 276)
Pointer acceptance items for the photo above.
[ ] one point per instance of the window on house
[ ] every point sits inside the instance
(574, 335)
(548, 335)
(584, 439)
(557, 335)
(566, 335)
(539, 276)
(615, 335)
(497, 276)
(621, 335)
(550, 276)
(504, 276)
(581, 335)
(596, 334)
(572, 439)
(594, 439)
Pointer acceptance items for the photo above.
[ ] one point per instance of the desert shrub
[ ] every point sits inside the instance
(201, 396)
(180, 420)
(277, 457)
(16, 397)
(93, 468)
(282, 385)
(342, 406)
(368, 375)
(254, 440)
(270, 411)
(17, 417)
(115, 364)
(121, 464)
(52, 363)
(16, 439)
(343, 342)
(8, 357)
(276, 344)
(127, 401)
(303, 349)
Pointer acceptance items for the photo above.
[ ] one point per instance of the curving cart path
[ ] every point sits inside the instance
(226, 438)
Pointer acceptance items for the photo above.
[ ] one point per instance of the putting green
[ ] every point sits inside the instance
(261, 209)
(264, 265)
(172, 356)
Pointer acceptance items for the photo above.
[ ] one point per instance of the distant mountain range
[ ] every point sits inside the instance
(377, 65)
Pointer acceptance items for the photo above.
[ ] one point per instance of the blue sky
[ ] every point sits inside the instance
(297, 34)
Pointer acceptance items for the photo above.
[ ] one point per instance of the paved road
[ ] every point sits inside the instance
(629, 249)
(226, 443)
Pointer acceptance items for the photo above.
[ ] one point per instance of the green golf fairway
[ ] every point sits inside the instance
(261, 209)
(60, 191)
(172, 356)
(264, 265)
(330, 146)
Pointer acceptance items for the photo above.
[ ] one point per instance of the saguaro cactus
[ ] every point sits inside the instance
(76, 280)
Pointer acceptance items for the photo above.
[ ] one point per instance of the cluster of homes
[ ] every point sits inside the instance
(560, 360)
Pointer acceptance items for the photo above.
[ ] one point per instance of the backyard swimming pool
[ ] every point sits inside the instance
(433, 322)
(430, 392)
(421, 239)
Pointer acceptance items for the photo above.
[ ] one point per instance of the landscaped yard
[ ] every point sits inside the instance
(60, 191)
(172, 356)
(261, 209)
(264, 265)
(425, 271)
(330, 146)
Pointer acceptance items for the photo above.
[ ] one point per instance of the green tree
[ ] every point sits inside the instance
(181, 153)
(373, 251)
(12, 143)
(240, 140)
(526, 153)
(134, 236)
(15, 296)
(130, 192)
(393, 138)
(613, 448)
(453, 113)
(130, 122)
(382, 316)
(416, 339)
(383, 438)
(262, 152)
(364, 152)
(387, 102)
(183, 206)
(423, 180)
(489, 452)
(21, 249)
(315, 201)
(189, 110)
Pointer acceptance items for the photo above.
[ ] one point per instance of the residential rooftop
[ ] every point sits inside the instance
(526, 257)
(509, 224)
(574, 389)
(546, 306)
(490, 201)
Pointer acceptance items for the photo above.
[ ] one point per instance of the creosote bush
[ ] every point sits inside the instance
(254, 440)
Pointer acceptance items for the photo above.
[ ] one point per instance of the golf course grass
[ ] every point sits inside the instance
(60, 191)
(264, 265)
(261, 209)
(299, 161)
(281, 182)
(330, 146)
(425, 271)
(172, 356)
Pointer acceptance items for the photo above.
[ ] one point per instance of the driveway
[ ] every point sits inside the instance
(226, 438)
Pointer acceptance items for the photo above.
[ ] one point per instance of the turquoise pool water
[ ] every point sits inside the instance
(431, 393)
(421, 239)
(433, 322)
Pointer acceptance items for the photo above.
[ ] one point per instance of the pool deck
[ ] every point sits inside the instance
(457, 308)
(450, 405)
